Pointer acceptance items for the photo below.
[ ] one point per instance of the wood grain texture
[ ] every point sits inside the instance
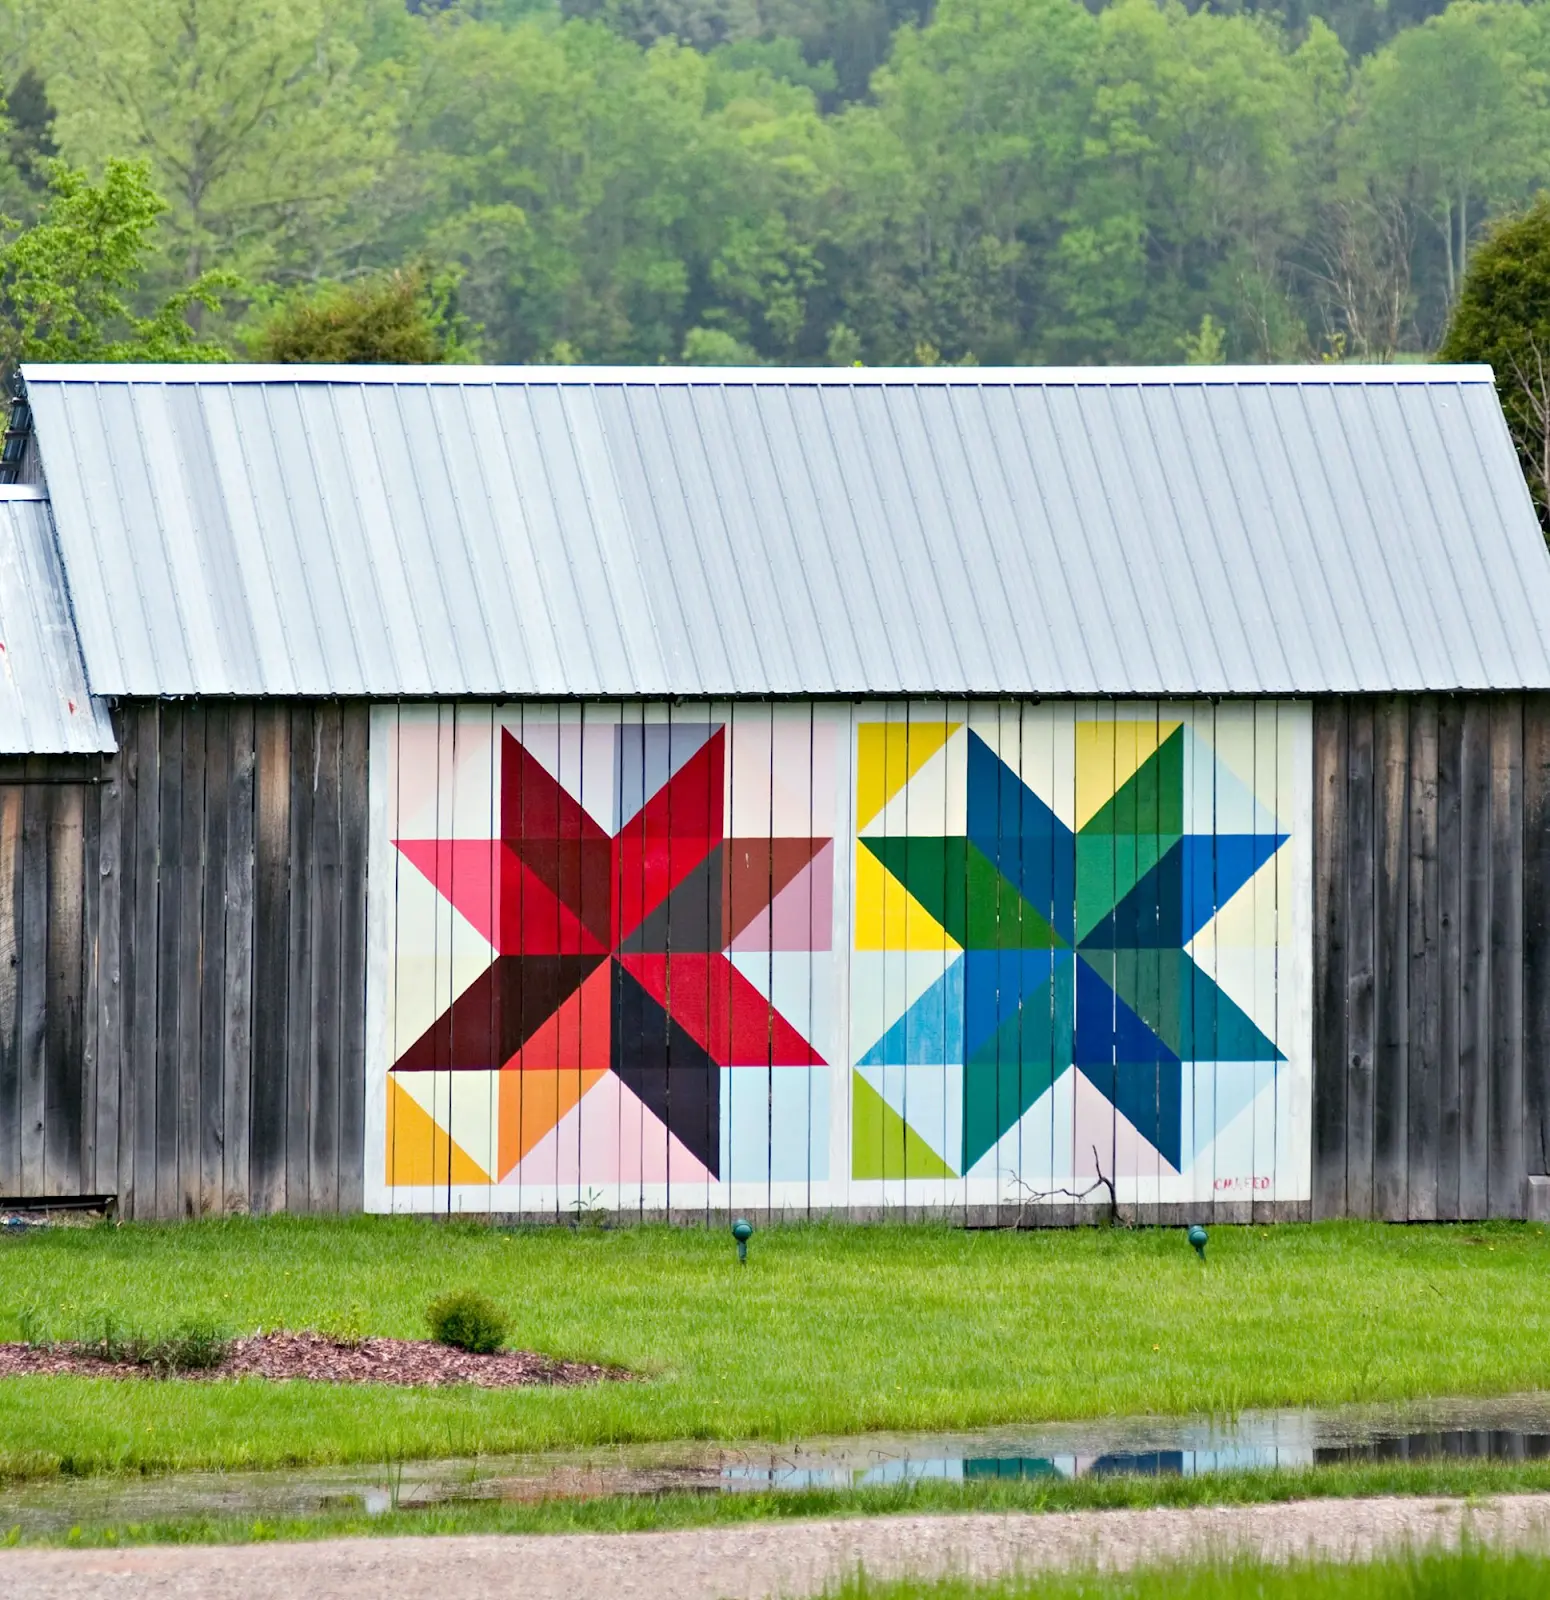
(1474, 958)
(1536, 933)
(1450, 754)
(324, 987)
(188, 873)
(212, 961)
(1391, 959)
(12, 888)
(1422, 975)
(1504, 1153)
(301, 1025)
(271, 963)
(1361, 957)
(34, 986)
(1330, 847)
(64, 808)
(237, 990)
(354, 820)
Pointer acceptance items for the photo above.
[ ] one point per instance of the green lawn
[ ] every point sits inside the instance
(1471, 1574)
(827, 1330)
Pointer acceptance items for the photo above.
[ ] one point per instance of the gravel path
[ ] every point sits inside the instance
(756, 1560)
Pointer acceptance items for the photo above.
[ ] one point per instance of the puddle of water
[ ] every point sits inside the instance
(1514, 1428)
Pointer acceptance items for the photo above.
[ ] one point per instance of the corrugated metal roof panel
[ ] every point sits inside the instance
(567, 531)
(45, 708)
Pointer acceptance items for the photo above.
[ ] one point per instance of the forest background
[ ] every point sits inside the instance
(791, 181)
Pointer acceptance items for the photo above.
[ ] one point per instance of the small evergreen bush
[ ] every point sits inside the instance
(467, 1320)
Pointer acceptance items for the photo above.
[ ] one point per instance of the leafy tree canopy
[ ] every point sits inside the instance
(70, 282)
(1503, 318)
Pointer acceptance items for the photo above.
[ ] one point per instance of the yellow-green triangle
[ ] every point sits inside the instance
(883, 1144)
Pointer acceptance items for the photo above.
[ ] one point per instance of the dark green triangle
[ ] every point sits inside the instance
(1016, 1064)
(960, 886)
(1185, 1008)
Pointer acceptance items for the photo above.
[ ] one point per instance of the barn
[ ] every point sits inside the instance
(1001, 795)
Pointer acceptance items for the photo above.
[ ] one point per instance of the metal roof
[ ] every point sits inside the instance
(45, 707)
(574, 531)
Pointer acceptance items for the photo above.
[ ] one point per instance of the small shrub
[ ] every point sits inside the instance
(195, 1346)
(347, 1329)
(467, 1320)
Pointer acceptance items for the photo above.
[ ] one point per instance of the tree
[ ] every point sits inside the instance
(259, 121)
(405, 317)
(1452, 118)
(69, 283)
(1502, 317)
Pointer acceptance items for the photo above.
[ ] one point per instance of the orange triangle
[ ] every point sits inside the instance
(418, 1150)
(556, 1066)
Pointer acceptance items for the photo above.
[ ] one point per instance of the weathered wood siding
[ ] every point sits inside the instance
(183, 963)
(1431, 955)
(183, 959)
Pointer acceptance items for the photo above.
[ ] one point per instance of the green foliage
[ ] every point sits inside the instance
(407, 317)
(68, 282)
(467, 1320)
(788, 181)
(1503, 318)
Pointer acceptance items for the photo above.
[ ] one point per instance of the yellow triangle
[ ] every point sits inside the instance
(418, 1149)
(888, 916)
(1108, 755)
(888, 755)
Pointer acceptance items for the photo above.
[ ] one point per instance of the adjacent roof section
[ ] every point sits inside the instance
(45, 708)
(479, 531)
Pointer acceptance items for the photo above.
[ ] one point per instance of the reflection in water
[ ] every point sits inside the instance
(1512, 1429)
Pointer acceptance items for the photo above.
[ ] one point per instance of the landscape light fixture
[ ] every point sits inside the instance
(742, 1231)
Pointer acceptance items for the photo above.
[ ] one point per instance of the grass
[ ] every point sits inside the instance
(1480, 1574)
(827, 1330)
(642, 1513)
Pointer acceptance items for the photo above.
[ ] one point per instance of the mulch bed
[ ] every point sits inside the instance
(407, 1362)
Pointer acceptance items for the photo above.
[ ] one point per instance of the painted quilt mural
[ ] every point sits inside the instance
(828, 955)
(603, 955)
(1075, 937)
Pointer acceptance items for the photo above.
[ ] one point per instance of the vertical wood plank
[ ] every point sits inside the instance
(1450, 755)
(34, 985)
(237, 1056)
(212, 935)
(1391, 960)
(91, 922)
(1361, 958)
(12, 888)
(148, 873)
(1423, 1099)
(299, 1020)
(324, 921)
(1536, 933)
(271, 954)
(170, 973)
(189, 895)
(1505, 1139)
(131, 721)
(353, 888)
(1474, 957)
(109, 976)
(63, 807)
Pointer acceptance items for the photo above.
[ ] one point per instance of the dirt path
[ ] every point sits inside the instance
(755, 1560)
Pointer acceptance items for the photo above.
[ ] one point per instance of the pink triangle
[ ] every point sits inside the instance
(801, 916)
(1099, 1122)
(608, 1137)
